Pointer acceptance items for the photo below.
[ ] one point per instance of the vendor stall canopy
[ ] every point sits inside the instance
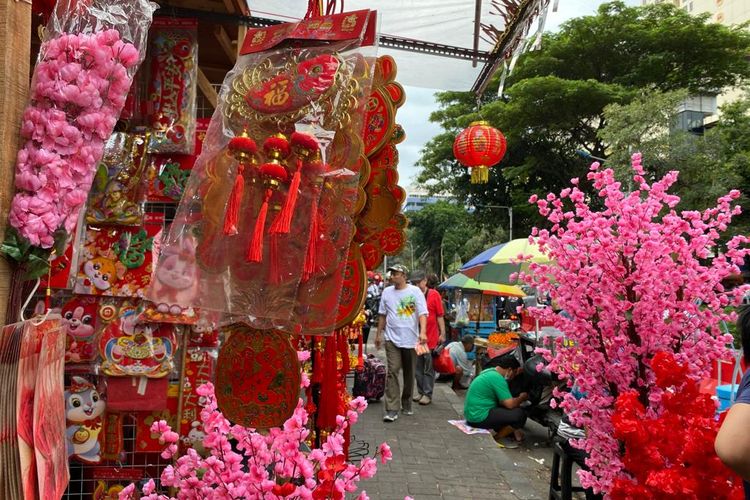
(443, 22)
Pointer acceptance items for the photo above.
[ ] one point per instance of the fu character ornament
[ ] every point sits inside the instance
(84, 408)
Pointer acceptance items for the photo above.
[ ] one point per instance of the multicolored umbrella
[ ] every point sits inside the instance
(462, 281)
(483, 257)
(498, 267)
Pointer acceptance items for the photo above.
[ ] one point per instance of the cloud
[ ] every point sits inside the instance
(420, 102)
(414, 116)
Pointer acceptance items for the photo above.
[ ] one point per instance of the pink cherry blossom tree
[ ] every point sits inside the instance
(243, 463)
(635, 277)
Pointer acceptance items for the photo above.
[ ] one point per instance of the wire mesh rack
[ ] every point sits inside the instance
(88, 480)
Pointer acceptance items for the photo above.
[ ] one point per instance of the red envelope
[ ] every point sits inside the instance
(136, 394)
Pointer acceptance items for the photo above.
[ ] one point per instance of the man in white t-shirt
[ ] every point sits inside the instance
(403, 316)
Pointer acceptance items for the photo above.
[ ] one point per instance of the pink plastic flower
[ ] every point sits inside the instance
(79, 87)
(385, 453)
(634, 278)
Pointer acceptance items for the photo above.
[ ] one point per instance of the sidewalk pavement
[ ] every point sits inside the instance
(433, 459)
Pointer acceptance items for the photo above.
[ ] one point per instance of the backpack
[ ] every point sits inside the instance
(370, 381)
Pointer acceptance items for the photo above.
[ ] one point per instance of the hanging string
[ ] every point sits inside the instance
(314, 9)
(331, 7)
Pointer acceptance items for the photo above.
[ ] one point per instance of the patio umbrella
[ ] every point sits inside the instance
(482, 258)
(500, 266)
(462, 281)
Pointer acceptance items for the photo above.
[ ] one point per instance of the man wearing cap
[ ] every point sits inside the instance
(402, 315)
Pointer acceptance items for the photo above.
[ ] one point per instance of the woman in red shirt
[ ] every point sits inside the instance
(425, 373)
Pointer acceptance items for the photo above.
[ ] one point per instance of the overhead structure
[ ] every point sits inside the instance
(514, 39)
(464, 41)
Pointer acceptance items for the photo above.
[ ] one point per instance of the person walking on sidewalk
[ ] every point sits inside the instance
(403, 317)
(435, 335)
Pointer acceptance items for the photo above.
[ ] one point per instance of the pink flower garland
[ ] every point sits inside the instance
(79, 88)
(634, 281)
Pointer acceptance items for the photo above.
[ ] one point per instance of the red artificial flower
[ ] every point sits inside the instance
(668, 372)
(336, 464)
(283, 490)
(327, 491)
(671, 456)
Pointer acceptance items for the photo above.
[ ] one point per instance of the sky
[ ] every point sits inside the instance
(415, 113)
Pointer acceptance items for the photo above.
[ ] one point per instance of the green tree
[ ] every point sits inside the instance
(710, 164)
(554, 103)
(451, 228)
(438, 232)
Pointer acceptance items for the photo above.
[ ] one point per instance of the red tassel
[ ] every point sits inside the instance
(317, 374)
(255, 252)
(328, 393)
(312, 242)
(232, 215)
(275, 268)
(283, 221)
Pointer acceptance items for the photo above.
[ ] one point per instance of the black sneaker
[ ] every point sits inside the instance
(407, 412)
(390, 416)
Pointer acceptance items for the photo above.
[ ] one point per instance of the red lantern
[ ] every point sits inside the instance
(479, 147)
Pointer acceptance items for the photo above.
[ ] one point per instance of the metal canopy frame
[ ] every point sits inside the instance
(388, 41)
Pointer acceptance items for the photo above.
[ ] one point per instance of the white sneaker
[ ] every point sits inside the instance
(390, 416)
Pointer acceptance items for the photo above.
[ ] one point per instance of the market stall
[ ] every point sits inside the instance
(198, 194)
(166, 244)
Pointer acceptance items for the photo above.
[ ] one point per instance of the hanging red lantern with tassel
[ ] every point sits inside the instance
(273, 174)
(479, 147)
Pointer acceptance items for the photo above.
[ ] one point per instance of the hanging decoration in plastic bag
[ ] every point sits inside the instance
(271, 198)
(173, 85)
(169, 173)
(83, 74)
(79, 322)
(175, 282)
(199, 369)
(119, 191)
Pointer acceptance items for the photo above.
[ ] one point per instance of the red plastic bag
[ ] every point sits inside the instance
(443, 363)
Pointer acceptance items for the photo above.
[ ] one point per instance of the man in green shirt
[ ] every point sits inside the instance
(490, 405)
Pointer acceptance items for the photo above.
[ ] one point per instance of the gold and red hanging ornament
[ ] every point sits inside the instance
(479, 147)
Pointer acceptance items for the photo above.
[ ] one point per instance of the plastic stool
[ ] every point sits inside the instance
(561, 481)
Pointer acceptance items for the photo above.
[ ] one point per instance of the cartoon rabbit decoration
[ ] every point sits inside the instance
(83, 411)
(176, 278)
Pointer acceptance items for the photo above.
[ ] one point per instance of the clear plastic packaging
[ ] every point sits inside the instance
(168, 173)
(171, 103)
(271, 198)
(119, 190)
(85, 68)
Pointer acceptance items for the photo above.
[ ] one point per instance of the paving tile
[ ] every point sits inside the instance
(433, 459)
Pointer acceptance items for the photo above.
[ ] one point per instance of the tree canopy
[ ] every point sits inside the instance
(553, 107)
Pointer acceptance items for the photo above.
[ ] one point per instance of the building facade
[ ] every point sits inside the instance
(728, 13)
